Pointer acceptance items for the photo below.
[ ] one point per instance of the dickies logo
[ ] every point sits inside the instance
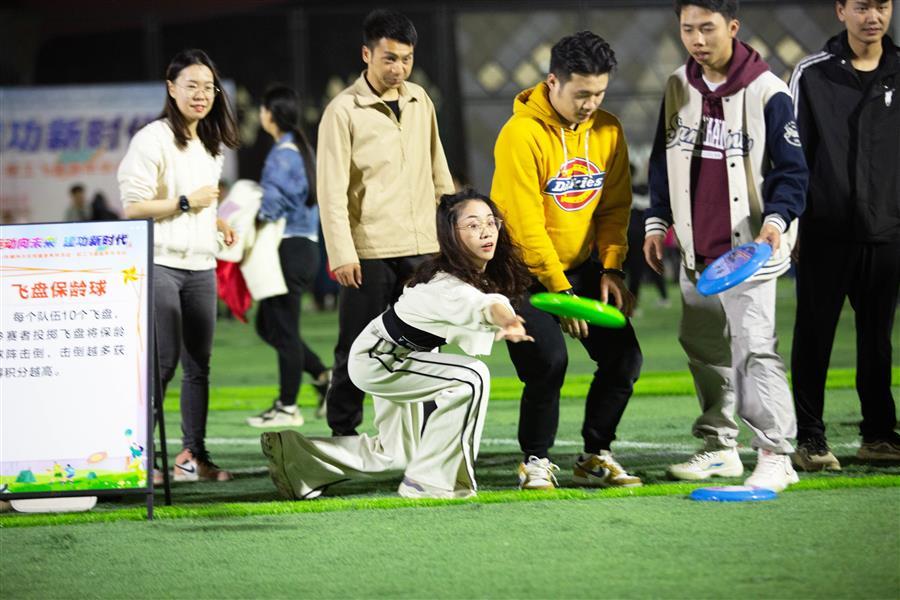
(577, 184)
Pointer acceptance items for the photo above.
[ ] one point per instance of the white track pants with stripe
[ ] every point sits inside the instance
(731, 346)
(442, 456)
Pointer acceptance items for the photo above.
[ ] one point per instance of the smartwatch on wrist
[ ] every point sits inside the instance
(184, 204)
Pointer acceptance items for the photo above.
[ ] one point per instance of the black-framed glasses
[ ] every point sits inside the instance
(474, 226)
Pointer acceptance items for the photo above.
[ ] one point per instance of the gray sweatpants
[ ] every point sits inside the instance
(400, 381)
(731, 344)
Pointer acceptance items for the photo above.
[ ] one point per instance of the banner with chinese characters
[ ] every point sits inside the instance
(74, 343)
(52, 137)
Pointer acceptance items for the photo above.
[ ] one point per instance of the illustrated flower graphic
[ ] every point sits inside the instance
(129, 274)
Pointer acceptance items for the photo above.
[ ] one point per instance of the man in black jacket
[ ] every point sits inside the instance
(848, 113)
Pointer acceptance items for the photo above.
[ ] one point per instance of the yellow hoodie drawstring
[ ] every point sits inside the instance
(562, 136)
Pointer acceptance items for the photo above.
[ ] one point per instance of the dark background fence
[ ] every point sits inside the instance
(473, 57)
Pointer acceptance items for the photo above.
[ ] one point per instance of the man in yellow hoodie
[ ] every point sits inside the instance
(562, 181)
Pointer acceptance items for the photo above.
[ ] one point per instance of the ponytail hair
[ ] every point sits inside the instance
(284, 106)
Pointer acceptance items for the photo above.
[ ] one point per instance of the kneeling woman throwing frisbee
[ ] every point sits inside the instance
(461, 296)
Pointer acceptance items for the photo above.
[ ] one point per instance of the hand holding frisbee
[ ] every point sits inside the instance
(576, 307)
(733, 267)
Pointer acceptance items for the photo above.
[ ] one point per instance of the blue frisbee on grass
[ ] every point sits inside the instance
(732, 493)
(733, 267)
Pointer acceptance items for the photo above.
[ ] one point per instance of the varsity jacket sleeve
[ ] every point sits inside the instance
(612, 215)
(281, 180)
(516, 189)
(658, 217)
(440, 172)
(785, 182)
(332, 182)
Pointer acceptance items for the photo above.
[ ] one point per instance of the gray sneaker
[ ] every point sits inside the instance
(278, 416)
(880, 450)
(815, 455)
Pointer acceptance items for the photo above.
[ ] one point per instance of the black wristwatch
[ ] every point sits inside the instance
(618, 272)
(184, 204)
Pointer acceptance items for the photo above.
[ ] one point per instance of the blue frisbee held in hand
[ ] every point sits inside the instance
(733, 267)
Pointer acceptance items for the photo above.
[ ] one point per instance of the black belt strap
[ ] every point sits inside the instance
(408, 336)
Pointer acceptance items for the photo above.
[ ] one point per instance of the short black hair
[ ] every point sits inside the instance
(726, 8)
(585, 53)
(384, 23)
(76, 189)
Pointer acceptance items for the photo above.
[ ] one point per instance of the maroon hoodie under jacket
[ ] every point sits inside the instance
(710, 212)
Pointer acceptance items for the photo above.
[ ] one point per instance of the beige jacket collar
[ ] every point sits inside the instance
(364, 96)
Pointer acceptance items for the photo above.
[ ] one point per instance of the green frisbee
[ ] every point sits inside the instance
(576, 307)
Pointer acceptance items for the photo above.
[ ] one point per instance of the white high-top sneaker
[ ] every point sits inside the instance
(773, 471)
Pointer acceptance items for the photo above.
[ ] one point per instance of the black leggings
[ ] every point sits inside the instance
(278, 318)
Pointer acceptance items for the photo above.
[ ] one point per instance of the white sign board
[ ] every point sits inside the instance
(74, 363)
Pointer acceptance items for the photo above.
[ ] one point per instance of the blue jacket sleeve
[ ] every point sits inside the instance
(785, 182)
(658, 217)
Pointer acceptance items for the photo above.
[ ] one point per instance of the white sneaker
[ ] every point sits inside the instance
(537, 474)
(413, 489)
(773, 471)
(709, 463)
(278, 416)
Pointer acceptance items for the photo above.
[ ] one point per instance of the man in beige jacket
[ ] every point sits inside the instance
(380, 169)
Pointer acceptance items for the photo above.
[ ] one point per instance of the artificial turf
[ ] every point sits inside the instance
(824, 544)
(830, 536)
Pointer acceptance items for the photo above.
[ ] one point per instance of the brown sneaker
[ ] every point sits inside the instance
(815, 455)
(196, 468)
(602, 470)
(880, 450)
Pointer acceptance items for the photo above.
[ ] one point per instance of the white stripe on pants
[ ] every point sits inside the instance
(731, 344)
(443, 456)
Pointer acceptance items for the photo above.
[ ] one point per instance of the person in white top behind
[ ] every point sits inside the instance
(462, 295)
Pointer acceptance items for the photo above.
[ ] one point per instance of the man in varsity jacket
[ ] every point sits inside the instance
(848, 114)
(727, 169)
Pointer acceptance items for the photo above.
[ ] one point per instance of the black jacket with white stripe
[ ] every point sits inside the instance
(851, 138)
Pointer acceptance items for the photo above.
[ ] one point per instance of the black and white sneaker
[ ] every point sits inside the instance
(278, 416)
(322, 384)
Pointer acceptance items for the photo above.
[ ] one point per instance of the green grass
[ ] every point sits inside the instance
(831, 535)
(620, 547)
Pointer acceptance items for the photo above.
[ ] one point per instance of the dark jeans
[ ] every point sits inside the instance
(382, 283)
(278, 317)
(541, 366)
(828, 272)
(185, 309)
